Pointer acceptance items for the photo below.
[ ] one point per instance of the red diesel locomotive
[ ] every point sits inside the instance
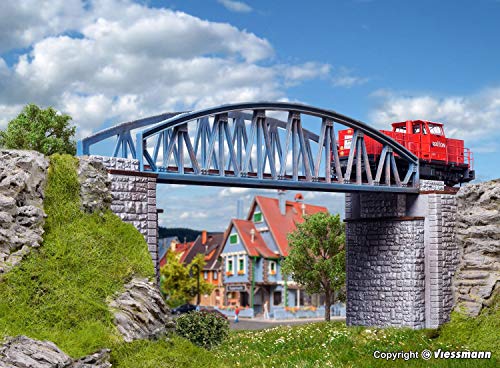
(440, 158)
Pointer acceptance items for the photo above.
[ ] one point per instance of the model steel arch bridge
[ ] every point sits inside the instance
(265, 145)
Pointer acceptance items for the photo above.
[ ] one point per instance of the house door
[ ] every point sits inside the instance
(244, 300)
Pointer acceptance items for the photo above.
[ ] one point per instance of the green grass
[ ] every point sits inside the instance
(175, 353)
(335, 345)
(59, 292)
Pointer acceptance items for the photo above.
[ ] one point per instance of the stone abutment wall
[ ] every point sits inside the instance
(401, 257)
(133, 198)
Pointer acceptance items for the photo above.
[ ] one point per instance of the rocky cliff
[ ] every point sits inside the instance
(103, 266)
(23, 175)
(478, 237)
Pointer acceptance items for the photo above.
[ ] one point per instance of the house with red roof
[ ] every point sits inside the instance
(254, 249)
(208, 244)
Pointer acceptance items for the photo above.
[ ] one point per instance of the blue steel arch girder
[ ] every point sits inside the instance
(124, 143)
(225, 158)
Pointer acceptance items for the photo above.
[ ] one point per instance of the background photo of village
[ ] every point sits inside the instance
(246, 260)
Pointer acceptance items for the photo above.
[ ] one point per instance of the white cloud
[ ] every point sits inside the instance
(343, 77)
(127, 60)
(24, 22)
(188, 215)
(236, 6)
(296, 74)
(474, 118)
(226, 192)
(7, 112)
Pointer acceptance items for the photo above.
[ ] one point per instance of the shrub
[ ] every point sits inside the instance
(204, 329)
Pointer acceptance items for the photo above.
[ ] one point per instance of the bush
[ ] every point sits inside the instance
(204, 329)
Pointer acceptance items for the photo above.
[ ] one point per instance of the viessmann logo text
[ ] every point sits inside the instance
(427, 354)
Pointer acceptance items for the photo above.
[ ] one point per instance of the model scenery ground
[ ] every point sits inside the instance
(60, 292)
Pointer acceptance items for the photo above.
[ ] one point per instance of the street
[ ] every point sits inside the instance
(260, 323)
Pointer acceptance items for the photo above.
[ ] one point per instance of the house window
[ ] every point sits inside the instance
(216, 275)
(229, 267)
(241, 266)
(257, 217)
(272, 267)
(205, 275)
(277, 298)
(233, 239)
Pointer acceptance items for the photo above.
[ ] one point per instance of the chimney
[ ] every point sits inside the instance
(282, 201)
(252, 234)
(204, 237)
(303, 207)
(239, 209)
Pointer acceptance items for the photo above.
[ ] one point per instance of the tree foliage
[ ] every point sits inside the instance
(176, 283)
(316, 259)
(45, 131)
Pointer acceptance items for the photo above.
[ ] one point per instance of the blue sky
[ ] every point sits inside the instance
(108, 61)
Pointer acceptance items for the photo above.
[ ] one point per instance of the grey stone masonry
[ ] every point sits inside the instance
(134, 198)
(401, 257)
(442, 256)
(385, 273)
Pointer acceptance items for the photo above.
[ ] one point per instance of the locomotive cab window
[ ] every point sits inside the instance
(417, 128)
(435, 129)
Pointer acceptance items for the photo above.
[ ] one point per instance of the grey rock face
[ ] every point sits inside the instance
(478, 237)
(140, 312)
(99, 359)
(23, 352)
(95, 186)
(23, 175)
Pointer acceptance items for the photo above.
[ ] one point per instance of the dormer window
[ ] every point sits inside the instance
(233, 239)
(257, 217)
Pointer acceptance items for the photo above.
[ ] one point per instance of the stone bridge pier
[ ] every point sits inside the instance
(401, 257)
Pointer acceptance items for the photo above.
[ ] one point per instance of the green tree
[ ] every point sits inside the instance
(316, 259)
(45, 131)
(176, 283)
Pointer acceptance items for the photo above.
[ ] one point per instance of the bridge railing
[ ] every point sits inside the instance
(248, 145)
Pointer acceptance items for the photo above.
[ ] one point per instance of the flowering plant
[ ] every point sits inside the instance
(229, 273)
(272, 273)
(241, 272)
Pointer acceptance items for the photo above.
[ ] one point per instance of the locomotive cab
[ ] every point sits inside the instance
(440, 158)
